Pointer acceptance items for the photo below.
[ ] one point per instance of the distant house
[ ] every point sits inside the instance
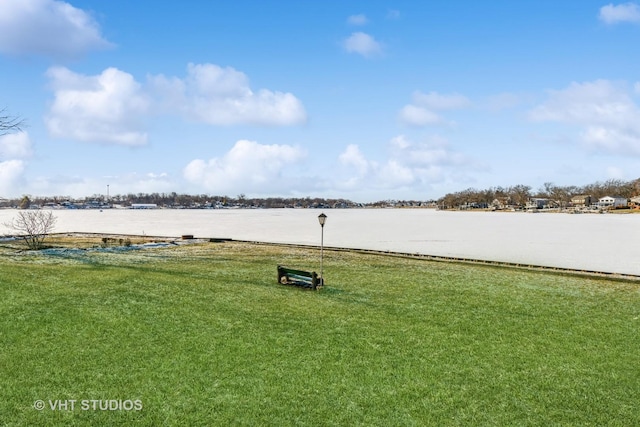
(144, 206)
(612, 202)
(501, 202)
(634, 201)
(581, 200)
(93, 204)
(537, 203)
(474, 205)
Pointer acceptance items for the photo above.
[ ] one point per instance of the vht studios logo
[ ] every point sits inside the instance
(89, 405)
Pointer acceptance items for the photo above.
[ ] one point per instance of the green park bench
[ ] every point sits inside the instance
(305, 279)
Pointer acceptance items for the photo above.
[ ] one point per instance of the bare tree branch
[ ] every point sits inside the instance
(34, 226)
(9, 124)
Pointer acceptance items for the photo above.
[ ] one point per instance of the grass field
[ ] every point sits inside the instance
(203, 335)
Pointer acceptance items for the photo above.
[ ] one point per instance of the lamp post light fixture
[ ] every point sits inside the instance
(322, 218)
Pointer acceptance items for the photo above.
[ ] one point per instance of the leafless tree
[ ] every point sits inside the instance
(9, 124)
(34, 226)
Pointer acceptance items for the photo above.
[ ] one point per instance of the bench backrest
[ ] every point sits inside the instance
(309, 278)
(291, 271)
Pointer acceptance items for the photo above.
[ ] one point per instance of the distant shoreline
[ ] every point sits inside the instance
(570, 211)
(604, 243)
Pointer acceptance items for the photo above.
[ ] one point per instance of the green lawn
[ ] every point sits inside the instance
(203, 335)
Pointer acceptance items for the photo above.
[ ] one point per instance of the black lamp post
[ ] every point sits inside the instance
(322, 218)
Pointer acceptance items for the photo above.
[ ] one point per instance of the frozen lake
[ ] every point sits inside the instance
(608, 243)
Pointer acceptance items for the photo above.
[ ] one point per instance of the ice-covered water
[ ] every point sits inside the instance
(607, 243)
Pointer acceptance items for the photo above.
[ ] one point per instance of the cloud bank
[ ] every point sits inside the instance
(248, 167)
(410, 164)
(112, 107)
(614, 14)
(605, 111)
(222, 96)
(14, 150)
(47, 27)
(106, 108)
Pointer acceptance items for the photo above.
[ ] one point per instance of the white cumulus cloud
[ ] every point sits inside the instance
(422, 110)
(409, 164)
(105, 108)
(111, 107)
(625, 12)
(222, 96)
(47, 27)
(605, 112)
(362, 44)
(353, 158)
(414, 115)
(15, 146)
(249, 167)
(10, 173)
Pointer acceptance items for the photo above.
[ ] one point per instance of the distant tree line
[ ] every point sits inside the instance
(186, 200)
(516, 195)
(175, 200)
(519, 195)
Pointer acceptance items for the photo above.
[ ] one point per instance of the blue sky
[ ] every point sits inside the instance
(366, 100)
